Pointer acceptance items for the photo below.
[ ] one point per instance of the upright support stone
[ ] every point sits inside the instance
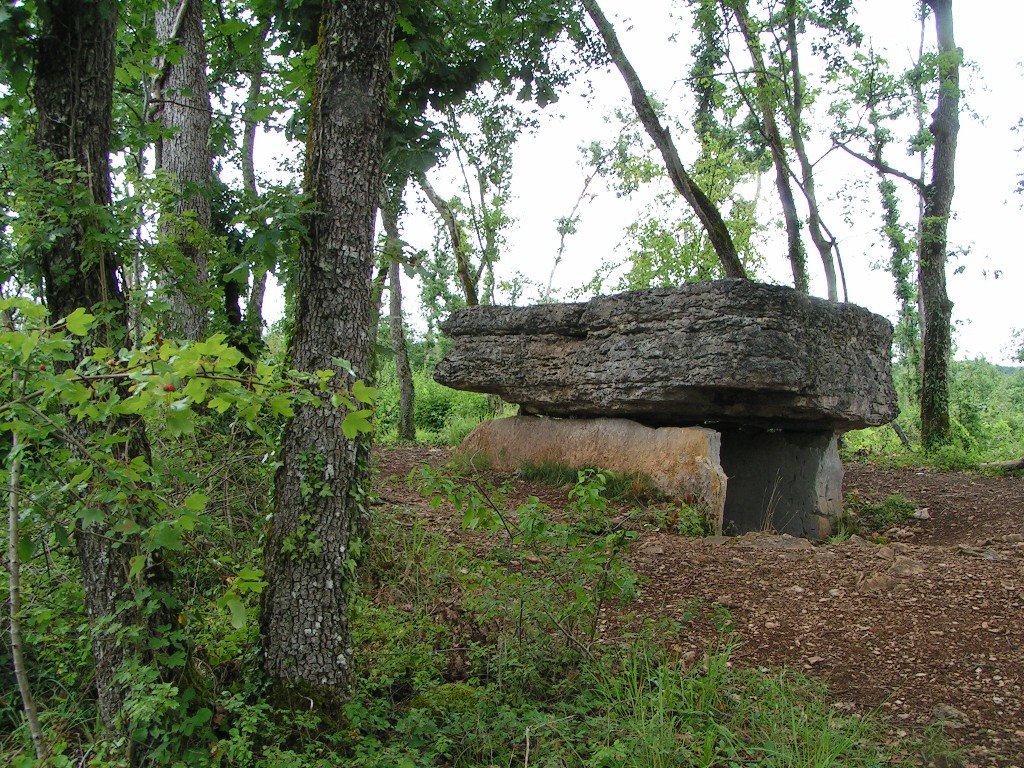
(681, 462)
(786, 482)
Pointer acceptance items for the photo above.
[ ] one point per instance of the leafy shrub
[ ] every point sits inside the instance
(442, 415)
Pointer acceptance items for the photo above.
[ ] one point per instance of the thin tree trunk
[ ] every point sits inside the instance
(770, 129)
(322, 483)
(403, 370)
(74, 82)
(406, 392)
(1006, 466)
(567, 225)
(702, 206)
(184, 152)
(938, 309)
(254, 306)
(14, 601)
(458, 242)
(900, 434)
(814, 226)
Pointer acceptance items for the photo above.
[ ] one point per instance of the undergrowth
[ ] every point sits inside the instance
(864, 517)
(484, 654)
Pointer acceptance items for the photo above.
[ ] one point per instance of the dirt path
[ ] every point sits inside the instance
(925, 629)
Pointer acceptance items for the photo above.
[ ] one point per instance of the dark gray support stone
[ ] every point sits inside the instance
(786, 482)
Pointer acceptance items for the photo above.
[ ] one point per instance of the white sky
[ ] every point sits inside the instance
(984, 284)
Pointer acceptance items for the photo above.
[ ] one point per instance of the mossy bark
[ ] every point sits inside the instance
(936, 307)
(313, 542)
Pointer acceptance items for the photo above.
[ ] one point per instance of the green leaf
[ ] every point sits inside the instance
(281, 406)
(219, 404)
(196, 502)
(28, 345)
(79, 322)
(237, 611)
(90, 515)
(180, 421)
(26, 547)
(131, 406)
(364, 393)
(138, 563)
(166, 535)
(196, 389)
(232, 27)
(357, 422)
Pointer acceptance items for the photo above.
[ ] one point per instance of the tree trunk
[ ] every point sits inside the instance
(254, 305)
(772, 135)
(74, 81)
(938, 198)
(403, 371)
(322, 483)
(821, 242)
(406, 393)
(184, 152)
(702, 206)
(458, 242)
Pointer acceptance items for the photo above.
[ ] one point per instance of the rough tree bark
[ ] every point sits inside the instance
(936, 307)
(702, 206)
(321, 485)
(74, 82)
(765, 105)
(403, 370)
(184, 152)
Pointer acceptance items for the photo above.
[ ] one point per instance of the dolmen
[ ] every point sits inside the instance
(728, 394)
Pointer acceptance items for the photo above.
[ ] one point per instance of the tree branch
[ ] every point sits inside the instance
(882, 166)
(702, 206)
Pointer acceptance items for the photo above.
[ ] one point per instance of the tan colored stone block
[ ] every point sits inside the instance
(683, 462)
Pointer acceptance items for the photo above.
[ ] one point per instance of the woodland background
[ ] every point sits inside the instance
(198, 568)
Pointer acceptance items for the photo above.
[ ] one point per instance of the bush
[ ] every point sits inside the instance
(442, 415)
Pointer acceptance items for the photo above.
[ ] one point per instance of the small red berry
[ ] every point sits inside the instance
(169, 387)
(42, 366)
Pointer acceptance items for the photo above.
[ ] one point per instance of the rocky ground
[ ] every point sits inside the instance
(923, 629)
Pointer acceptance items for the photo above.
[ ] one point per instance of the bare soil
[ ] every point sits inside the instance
(921, 629)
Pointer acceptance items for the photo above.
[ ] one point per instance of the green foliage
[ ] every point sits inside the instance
(710, 715)
(626, 487)
(442, 415)
(591, 572)
(460, 661)
(987, 415)
(207, 417)
(868, 516)
(668, 245)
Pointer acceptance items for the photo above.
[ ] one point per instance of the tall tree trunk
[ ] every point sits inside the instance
(406, 392)
(702, 206)
(74, 81)
(458, 242)
(814, 225)
(403, 370)
(184, 152)
(254, 306)
(938, 199)
(322, 483)
(772, 135)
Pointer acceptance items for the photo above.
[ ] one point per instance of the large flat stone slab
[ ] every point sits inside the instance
(725, 352)
(681, 462)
